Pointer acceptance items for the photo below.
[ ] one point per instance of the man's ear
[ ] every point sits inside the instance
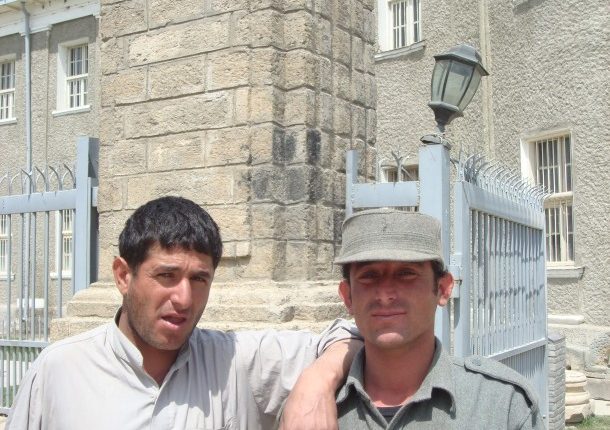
(346, 294)
(445, 286)
(122, 274)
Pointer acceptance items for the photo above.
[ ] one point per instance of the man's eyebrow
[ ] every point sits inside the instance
(201, 272)
(166, 268)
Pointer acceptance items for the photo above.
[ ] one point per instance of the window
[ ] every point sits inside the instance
(408, 173)
(73, 77)
(66, 242)
(4, 232)
(399, 23)
(76, 79)
(405, 23)
(551, 167)
(7, 90)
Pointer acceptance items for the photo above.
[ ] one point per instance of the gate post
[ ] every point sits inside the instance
(434, 164)
(85, 216)
(351, 179)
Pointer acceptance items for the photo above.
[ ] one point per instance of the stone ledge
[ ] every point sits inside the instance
(566, 319)
(600, 408)
(231, 306)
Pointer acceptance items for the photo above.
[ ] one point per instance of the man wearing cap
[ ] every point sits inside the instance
(394, 278)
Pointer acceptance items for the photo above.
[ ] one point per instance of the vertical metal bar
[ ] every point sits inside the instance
(33, 272)
(434, 200)
(493, 287)
(463, 240)
(24, 275)
(59, 262)
(509, 284)
(474, 264)
(514, 282)
(480, 303)
(501, 285)
(9, 275)
(84, 228)
(485, 285)
(3, 390)
(46, 275)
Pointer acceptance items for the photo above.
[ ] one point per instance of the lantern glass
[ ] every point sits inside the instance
(472, 88)
(454, 83)
(439, 77)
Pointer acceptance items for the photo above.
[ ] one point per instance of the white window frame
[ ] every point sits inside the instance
(4, 236)
(408, 172)
(557, 166)
(389, 23)
(7, 91)
(65, 78)
(64, 243)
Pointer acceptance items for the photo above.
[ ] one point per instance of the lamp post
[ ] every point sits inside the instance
(455, 79)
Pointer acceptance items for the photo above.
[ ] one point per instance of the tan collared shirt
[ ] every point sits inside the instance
(476, 393)
(219, 381)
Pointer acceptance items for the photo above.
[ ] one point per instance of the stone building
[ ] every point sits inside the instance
(543, 111)
(49, 94)
(247, 108)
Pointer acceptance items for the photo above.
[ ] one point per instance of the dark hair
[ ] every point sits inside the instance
(438, 269)
(170, 222)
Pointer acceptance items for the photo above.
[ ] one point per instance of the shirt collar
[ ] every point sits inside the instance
(438, 377)
(128, 352)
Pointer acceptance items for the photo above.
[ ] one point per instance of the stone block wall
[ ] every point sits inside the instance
(245, 107)
(557, 380)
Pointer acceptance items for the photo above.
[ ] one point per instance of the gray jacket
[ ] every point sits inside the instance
(475, 393)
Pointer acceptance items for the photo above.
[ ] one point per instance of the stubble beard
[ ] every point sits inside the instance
(144, 331)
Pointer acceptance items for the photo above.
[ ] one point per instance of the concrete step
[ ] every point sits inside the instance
(315, 326)
(70, 326)
(101, 300)
(273, 313)
(252, 305)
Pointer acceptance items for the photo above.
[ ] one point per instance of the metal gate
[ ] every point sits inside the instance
(35, 209)
(500, 254)
(498, 306)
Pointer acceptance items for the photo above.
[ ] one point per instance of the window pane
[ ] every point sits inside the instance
(3, 243)
(391, 174)
(85, 59)
(568, 163)
(570, 233)
(67, 221)
(400, 24)
(415, 21)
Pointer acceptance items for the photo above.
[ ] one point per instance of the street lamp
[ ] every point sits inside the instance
(455, 79)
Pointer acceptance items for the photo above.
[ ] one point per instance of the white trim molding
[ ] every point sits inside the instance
(43, 15)
(564, 272)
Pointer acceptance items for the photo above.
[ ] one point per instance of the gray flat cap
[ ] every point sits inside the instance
(387, 234)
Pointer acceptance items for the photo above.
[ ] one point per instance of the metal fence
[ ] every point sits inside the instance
(498, 308)
(499, 247)
(35, 284)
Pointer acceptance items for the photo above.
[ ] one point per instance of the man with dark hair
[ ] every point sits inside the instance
(394, 279)
(151, 369)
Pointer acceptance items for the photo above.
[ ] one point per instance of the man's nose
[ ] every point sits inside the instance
(182, 297)
(386, 290)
